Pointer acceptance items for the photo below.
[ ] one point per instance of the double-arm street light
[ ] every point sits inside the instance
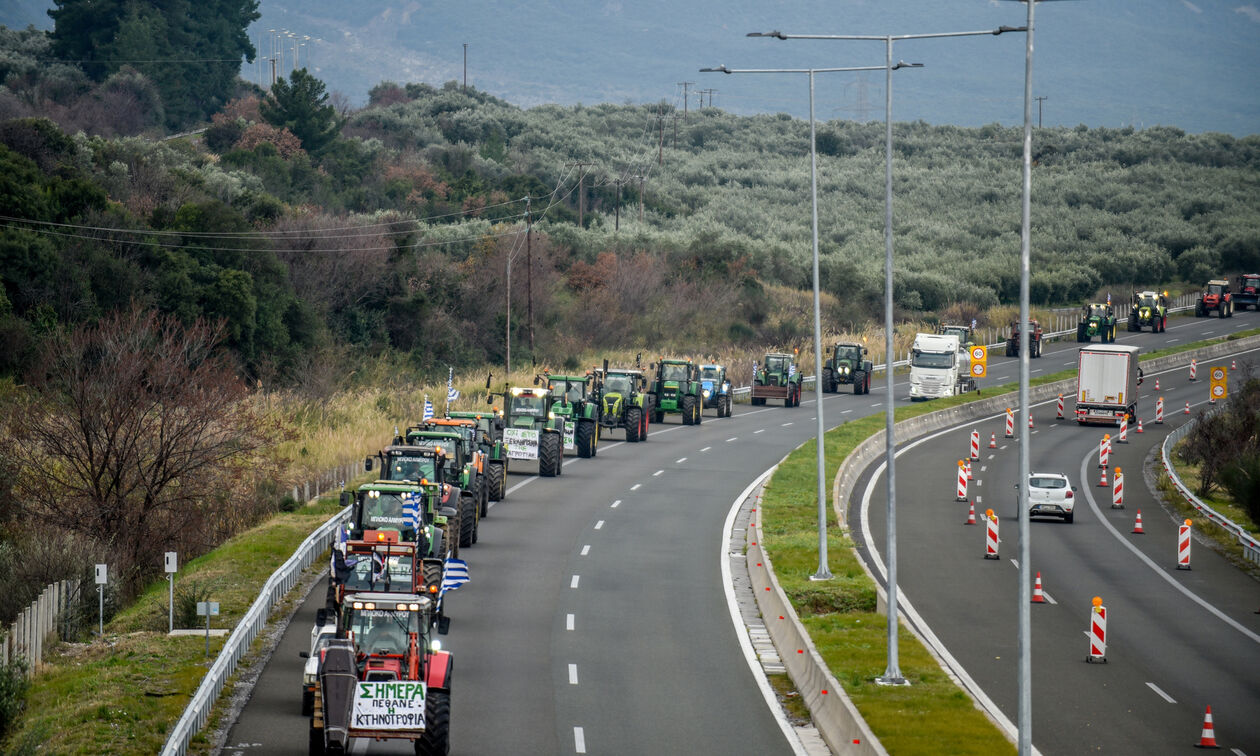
(823, 573)
(892, 674)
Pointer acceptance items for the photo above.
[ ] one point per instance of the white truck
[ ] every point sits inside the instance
(939, 366)
(1107, 380)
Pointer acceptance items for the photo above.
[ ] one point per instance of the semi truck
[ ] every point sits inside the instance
(939, 367)
(1107, 380)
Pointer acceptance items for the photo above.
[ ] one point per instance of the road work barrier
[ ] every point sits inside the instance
(975, 444)
(1183, 545)
(1097, 633)
(962, 482)
(1117, 490)
(990, 535)
(1159, 410)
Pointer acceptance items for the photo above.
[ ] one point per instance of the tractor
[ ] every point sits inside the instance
(623, 401)
(383, 677)
(847, 364)
(490, 441)
(532, 429)
(379, 506)
(1150, 308)
(1097, 320)
(1216, 297)
(464, 468)
(777, 378)
(964, 334)
(1248, 291)
(1034, 339)
(715, 390)
(676, 390)
(575, 401)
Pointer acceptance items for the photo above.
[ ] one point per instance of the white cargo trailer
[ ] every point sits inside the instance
(1107, 380)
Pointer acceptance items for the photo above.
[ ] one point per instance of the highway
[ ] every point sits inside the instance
(596, 621)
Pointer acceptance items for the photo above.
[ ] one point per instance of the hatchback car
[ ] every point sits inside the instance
(1050, 495)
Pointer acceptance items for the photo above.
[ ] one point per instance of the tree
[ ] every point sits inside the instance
(135, 434)
(301, 106)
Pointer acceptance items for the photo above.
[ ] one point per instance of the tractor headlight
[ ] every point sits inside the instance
(551, 415)
(706, 393)
(844, 369)
(436, 645)
(310, 678)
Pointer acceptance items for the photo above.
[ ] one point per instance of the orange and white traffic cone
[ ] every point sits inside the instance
(1157, 384)
(1187, 412)
(1208, 738)
(971, 513)
(1139, 428)
(1038, 597)
(1233, 364)
(1102, 480)
(992, 440)
(1030, 420)
(1137, 524)
(969, 470)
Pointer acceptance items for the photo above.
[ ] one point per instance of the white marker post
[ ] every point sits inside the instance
(207, 608)
(172, 564)
(101, 578)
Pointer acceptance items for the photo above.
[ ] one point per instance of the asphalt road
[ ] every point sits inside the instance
(1178, 641)
(624, 549)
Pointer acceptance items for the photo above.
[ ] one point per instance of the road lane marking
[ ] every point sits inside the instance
(568, 622)
(705, 449)
(586, 549)
(599, 525)
(680, 460)
(657, 473)
(759, 431)
(1016, 563)
(573, 674)
(615, 504)
(574, 582)
(1160, 693)
(579, 740)
(1048, 598)
(845, 412)
(784, 425)
(983, 468)
(732, 438)
(635, 487)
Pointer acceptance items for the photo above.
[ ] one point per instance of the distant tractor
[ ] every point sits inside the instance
(1150, 309)
(847, 365)
(1215, 298)
(623, 401)
(715, 389)
(531, 430)
(777, 378)
(1097, 320)
(1248, 291)
(676, 389)
(490, 441)
(964, 334)
(1034, 339)
(575, 401)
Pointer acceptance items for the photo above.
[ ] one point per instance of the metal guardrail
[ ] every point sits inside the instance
(1251, 546)
(281, 581)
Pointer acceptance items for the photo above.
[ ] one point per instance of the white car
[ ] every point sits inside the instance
(320, 635)
(1050, 495)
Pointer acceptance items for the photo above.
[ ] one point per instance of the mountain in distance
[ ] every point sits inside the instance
(1184, 63)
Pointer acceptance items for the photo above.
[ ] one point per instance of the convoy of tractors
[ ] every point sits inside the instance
(375, 668)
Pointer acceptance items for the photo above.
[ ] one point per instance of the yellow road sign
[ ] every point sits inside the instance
(1220, 382)
(979, 361)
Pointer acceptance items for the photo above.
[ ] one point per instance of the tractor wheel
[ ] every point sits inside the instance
(453, 527)
(689, 410)
(726, 404)
(1035, 349)
(634, 424)
(1133, 323)
(859, 381)
(825, 386)
(1198, 310)
(584, 438)
(467, 519)
(485, 496)
(658, 416)
(643, 434)
(1081, 333)
(496, 480)
(1231, 310)
(436, 739)
(315, 742)
(308, 702)
(699, 411)
(1010, 349)
(757, 401)
(549, 454)
(1163, 324)
(432, 576)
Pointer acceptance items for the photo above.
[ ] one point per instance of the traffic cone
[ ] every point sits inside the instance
(969, 470)
(1157, 384)
(1137, 524)
(1233, 364)
(971, 513)
(1208, 738)
(1102, 481)
(992, 440)
(1038, 596)
(1139, 428)
(1187, 412)
(1030, 420)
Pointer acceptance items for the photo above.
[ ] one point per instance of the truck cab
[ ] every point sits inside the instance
(938, 367)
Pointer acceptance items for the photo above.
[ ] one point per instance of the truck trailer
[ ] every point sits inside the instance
(1107, 380)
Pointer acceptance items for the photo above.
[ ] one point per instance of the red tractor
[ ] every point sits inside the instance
(1216, 297)
(1034, 339)
(1248, 291)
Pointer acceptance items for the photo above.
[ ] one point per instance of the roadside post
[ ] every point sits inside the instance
(207, 608)
(101, 577)
(172, 564)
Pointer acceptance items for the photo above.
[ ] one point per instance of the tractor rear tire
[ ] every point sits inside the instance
(432, 576)
(726, 404)
(1081, 333)
(485, 495)
(699, 403)
(859, 382)
(549, 453)
(827, 386)
(658, 416)
(453, 526)
(496, 480)
(688, 407)
(467, 519)
(584, 438)
(634, 424)
(315, 742)
(436, 740)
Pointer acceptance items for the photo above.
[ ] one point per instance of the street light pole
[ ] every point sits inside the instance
(892, 673)
(823, 573)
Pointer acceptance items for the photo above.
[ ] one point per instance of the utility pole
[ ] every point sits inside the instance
(529, 273)
(685, 84)
(1039, 101)
(466, 81)
(675, 119)
(581, 190)
(617, 224)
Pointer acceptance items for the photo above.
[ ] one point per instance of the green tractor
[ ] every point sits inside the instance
(490, 441)
(847, 365)
(621, 394)
(407, 474)
(472, 463)
(676, 390)
(575, 401)
(1097, 320)
(777, 378)
(463, 469)
(532, 429)
(1150, 308)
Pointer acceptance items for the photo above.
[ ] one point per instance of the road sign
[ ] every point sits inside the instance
(172, 562)
(207, 608)
(979, 361)
(101, 572)
(1220, 382)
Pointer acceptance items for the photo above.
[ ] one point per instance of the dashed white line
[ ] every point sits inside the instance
(615, 504)
(579, 740)
(586, 549)
(568, 622)
(574, 582)
(635, 487)
(784, 425)
(759, 431)
(979, 499)
(705, 449)
(1016, 563)
(1049, 599)
(845, 412)
(1160, 693)
(680, 460)
(983, 468)
(877, 404)
(732, 438)
(599, 525)
(657, 473)
(573, 674)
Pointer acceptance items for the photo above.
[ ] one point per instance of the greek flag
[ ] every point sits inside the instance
(378, 567)
(428, 408)
(791, 370)
(454, 574)
(451, 393)
(755, 364)
(411, 509)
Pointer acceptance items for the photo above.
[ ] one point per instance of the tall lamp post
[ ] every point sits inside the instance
(823, 573)
(892, 673)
